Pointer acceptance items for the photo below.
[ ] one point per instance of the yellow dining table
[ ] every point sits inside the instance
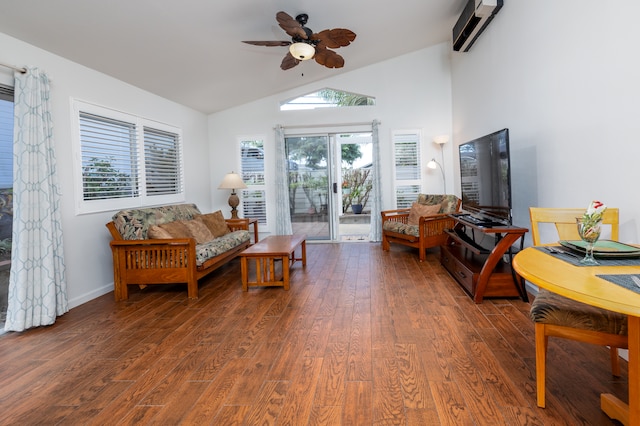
(581, 283)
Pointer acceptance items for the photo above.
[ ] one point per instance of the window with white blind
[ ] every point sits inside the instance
(6, 137)
(252, 170)
(162, 160)
(407, 167)
(125, 161)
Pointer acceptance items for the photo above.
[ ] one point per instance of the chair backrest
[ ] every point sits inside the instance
(449, 203)
(565, 222)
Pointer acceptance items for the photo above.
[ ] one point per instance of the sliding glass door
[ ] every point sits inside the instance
(308, 164)
(354, 156)
(329, 185)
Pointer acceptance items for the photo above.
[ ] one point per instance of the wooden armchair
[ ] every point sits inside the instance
(427, 231)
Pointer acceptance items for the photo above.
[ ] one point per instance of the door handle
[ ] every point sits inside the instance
(335, 187)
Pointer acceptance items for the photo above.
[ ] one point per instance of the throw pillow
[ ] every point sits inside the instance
(419, 210)
(215, 222)
(177, 229)
(199, 231)
(155, 232)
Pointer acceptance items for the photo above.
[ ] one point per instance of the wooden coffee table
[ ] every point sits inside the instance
(265, 253)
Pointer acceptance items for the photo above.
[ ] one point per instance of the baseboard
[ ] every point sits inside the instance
(84, 298)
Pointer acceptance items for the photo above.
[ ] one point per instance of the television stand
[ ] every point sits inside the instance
(480, 271)
(478, 221)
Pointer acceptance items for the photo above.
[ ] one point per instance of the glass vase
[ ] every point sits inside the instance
(589, 231)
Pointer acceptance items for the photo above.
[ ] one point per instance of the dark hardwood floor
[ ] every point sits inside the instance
(363, 337)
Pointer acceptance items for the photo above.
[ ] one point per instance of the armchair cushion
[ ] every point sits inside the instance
(401, 228)
(551, 308)
(418, 210)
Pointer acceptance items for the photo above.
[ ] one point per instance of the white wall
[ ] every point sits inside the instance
(412, 92)
(563, 77)
(86, 239)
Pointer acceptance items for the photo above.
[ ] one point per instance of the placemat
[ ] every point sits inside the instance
(575, 258)
(623, 280)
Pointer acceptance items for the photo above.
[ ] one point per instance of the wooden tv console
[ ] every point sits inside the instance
(482, 272)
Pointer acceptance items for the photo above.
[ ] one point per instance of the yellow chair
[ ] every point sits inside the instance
(558, 316)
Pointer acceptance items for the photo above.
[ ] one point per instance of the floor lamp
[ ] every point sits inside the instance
(233, 181)
(433, 164)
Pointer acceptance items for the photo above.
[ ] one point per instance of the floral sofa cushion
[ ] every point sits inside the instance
(133, 224)
(220, 245)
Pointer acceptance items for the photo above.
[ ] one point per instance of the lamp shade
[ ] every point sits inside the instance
(433, 164)
(232, 181)
(302, 51)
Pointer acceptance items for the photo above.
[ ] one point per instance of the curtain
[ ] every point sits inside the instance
(375, 235)
(37, 284)
(283, 215)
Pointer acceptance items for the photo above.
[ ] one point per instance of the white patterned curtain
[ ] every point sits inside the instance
(283, 215)
(37, 285)
(375, 235)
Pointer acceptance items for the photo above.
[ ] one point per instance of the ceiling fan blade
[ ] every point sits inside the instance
(337, 37)
(328, 58)
(268, 43)
(289, 62)
(290, 25)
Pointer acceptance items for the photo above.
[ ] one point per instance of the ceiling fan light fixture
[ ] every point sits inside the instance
(302, 51)
(305, 44)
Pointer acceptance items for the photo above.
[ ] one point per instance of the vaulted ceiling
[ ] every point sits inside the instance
(190, 51)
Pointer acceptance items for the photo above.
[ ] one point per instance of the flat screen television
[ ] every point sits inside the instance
(485, 176)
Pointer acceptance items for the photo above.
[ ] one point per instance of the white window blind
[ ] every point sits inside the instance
(6, 137)
(125, 161)
(162, 157)
(109, 158)
(254, 205)
(406, 195)
(407, 167)
(252, 170)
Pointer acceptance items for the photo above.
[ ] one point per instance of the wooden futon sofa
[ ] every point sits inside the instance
(172, 244)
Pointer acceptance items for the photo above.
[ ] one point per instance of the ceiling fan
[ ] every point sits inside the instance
(305, 44)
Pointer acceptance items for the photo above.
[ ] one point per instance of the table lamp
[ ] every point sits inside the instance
(233, 181)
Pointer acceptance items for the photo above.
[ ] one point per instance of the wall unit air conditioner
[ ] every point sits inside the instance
(474, 19)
